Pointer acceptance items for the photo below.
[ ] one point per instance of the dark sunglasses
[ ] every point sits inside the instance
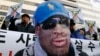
(52, 22)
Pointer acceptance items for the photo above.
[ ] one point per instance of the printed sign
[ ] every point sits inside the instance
(11, 41)
(86, 47)
(14, 11)
(76, 15)
(91, 30)
(2, 18)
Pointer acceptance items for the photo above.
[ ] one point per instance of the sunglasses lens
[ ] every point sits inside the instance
(64, 23)
(51, 23)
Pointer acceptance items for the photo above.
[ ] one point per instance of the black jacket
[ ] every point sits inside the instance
(22, 28)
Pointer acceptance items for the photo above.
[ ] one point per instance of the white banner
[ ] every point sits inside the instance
(11, 42)
(86, 47)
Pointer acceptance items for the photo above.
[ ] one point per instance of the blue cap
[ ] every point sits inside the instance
(48, 9)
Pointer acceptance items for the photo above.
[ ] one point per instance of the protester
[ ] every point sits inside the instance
(81, 34)
(72, 26)
(76, 33)
(25, 25)
(92, 34)
(12, 26)
(52, 30)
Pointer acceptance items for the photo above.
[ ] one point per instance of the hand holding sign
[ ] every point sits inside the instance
(13, 13)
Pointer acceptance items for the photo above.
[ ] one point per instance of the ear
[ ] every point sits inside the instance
(37, 29)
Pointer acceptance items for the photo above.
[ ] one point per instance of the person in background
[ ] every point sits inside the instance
(25, 25)
(79, 33)
(12, 26)
(92, 33)
(52, 29)
(12, 17)
(73, 28)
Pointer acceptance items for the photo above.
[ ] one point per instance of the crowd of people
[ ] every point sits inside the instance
(81, 33)
(26, 26)
(53, 28)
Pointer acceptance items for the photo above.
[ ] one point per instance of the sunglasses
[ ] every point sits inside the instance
(52, 22)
